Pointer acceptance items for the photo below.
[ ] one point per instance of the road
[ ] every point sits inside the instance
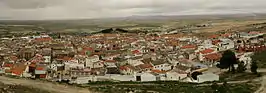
(263, 83)
(55, 88)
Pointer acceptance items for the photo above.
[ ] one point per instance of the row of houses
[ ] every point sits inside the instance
(123, 57)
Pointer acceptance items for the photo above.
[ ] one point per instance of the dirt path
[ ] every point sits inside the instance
(55, 88)
(263, 83)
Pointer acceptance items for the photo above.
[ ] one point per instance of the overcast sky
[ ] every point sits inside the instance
(71, 9)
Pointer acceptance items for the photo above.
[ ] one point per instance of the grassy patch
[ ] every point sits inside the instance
(260, 57)
(237, 76)
(170, 87)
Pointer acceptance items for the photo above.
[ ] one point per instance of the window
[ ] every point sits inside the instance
(138, 78)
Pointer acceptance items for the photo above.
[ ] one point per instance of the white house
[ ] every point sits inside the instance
(226, 44)
(127, 70)
(47, 59)
(69, 65)
(134, 61)
(204, 52)
(145, 77)
(175, 75)
(94, 58)
(162, 65)
(207, 42)
(185, 39)
(98, 64)
(207, 77)
(110, 63)
(91, 60)
(110, 57)
(246, 58)
(54, 66)
(123, 77)
(83, 80)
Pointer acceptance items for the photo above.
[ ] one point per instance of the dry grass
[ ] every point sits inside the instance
(219, 26)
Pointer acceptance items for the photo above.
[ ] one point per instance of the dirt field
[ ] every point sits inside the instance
(225, 25)
(51, 87)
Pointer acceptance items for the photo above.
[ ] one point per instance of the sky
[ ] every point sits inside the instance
(80, 9)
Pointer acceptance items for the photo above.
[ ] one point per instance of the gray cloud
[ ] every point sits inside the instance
(65, 9)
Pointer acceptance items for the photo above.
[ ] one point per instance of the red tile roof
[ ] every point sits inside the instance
(39, 68)
(8, 65)
(213, 36)
(158, 71)
(215, 42)
(18, 69)
(32, 65)
(214, 56)
(189, 46)
(206, 51)
(42, 76)
(123, 67)
(144, 66)
(136, 52)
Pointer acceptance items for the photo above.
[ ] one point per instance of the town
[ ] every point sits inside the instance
(119, 56)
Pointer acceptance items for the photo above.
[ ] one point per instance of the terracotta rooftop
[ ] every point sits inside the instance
(189, 46)
(136, 52)
(145, 66)
(65, 58)
(206, 51)
(8, 65)
(18, 68)
(40, 68)
(214, 56)
(32, 65)
(158, 71)
(214, 36)
(123, 67)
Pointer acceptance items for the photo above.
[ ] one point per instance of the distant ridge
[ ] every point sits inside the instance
(205, 16)
(140, 18)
